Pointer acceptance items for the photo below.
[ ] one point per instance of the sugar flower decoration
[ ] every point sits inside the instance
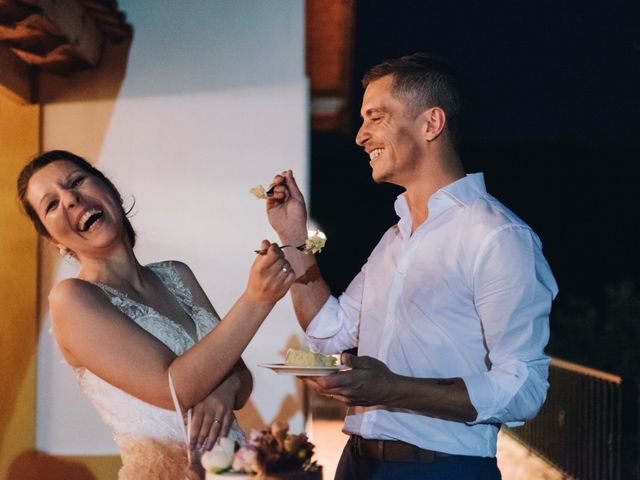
(315, 243)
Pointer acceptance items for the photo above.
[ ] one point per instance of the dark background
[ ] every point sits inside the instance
(551, 118)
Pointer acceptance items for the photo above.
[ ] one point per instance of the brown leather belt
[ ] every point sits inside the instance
(394, 451)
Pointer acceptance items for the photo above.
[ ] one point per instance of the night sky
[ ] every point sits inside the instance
(551, 118)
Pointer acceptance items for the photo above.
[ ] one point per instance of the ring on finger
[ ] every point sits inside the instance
(285, 269)
(217, 420)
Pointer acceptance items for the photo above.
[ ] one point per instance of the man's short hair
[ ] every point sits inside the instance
(423, 81)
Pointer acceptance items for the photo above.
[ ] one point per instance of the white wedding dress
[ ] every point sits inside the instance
(153, 441)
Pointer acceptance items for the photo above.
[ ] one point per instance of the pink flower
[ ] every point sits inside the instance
(245, 460)
(255, 436)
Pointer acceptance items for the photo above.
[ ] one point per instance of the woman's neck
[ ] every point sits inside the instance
(119, 269)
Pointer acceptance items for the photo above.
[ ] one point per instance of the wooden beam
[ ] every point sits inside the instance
(35, 34)
(76, 25)
(329, 45)
(12, 11)
(110, 20)
(60, 60)
(329, 38)
(16, 78)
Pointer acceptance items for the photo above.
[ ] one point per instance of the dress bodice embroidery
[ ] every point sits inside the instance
(138, 426)
(171, 333)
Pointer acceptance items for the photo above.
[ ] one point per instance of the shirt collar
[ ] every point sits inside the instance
(462, 192)
(466, 190)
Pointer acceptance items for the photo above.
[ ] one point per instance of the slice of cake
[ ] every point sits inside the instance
(302, 358)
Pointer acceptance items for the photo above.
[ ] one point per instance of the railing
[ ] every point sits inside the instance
(579, 428)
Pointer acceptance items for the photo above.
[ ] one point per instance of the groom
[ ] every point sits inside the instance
(449, 313)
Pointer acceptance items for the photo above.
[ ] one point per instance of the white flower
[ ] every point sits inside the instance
(259, 192)
(219, 458)
(315, 243)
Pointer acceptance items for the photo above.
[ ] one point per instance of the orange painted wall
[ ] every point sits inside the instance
(19, 140)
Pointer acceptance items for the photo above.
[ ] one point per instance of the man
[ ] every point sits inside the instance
(449, 313)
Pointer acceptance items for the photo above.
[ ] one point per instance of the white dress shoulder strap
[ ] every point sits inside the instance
(186, 431)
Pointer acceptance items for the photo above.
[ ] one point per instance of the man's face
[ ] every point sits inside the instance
(390, 134)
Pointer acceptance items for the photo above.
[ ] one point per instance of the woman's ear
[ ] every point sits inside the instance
(434, 122)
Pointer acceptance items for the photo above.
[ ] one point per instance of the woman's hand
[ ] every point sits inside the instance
(286, 210)
(212, 417)
(271, 275)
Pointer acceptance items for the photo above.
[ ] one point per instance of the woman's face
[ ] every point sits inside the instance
(78, 210)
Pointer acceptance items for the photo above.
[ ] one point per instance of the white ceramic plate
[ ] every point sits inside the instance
(282, 369)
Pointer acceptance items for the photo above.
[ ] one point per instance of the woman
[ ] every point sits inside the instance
(144, 341)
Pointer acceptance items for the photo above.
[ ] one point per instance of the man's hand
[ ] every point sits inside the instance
(286, 210)
(212, 417)
(369, 382)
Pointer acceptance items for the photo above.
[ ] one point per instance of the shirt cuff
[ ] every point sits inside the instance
(326, 323)
(492, 394)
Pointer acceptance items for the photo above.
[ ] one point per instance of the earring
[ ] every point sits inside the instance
(65, 252)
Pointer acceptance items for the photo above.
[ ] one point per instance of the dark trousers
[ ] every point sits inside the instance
(353, 466)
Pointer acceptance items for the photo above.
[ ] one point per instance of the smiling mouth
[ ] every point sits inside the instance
(89, 218)
(375, 153)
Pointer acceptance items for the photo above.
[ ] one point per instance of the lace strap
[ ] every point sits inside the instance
(186, 432)
(172, 280)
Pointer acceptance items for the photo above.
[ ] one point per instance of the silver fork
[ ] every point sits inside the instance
(299, 247)
(269, 192)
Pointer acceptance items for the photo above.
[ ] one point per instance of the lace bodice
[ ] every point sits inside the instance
(138, 427)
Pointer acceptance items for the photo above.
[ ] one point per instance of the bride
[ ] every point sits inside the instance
(146, 345)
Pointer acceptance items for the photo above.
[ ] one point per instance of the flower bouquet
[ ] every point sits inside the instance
(268, 454)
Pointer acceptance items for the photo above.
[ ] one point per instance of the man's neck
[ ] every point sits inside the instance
(419, 192)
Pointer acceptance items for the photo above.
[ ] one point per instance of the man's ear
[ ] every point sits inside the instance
(434, 122)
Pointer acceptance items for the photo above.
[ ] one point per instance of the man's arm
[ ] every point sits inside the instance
(288, 216)
(309, 292)
(370, 382)
(335, 327)
(513, 291)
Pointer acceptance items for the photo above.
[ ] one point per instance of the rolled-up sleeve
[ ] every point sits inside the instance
(335, 327)
(513, 290)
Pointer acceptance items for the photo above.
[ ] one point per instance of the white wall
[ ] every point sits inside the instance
(213, 102)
